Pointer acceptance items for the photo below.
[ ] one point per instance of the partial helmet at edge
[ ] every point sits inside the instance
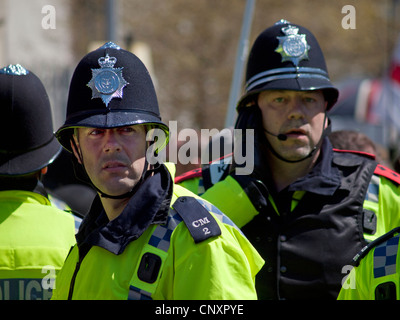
(26, 126)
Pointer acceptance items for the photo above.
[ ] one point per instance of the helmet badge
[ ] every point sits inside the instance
(14, 69)
(107, 82)
(293, 46)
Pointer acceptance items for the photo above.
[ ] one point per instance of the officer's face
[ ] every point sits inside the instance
(299, 115)
(114, 158)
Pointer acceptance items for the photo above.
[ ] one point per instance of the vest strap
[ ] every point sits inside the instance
(201, 225)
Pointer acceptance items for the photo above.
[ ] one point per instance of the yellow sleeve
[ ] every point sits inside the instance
(230, 198)
(191, 185)
(220, 268)
(389, 205)
(385, 208)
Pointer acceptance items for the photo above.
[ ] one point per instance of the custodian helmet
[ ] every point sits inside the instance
(287, 57)
(26, 126)
(110, 88)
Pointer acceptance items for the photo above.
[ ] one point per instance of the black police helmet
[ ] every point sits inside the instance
(287, 56)
(28, 143)
(110, 88)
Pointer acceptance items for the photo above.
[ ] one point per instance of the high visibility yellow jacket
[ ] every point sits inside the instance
(35, 239)
(377, 274)
(193, 252)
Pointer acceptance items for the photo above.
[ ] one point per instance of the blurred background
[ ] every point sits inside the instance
(191, 47)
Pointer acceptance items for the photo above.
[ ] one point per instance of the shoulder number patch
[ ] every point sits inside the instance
(200, 223)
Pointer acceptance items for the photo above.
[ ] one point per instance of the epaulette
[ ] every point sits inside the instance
(200, 223)
(380, 170)
(387, 173)
(361, 153)
(364, 251)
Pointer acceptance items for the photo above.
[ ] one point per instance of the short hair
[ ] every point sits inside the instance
(352, 140)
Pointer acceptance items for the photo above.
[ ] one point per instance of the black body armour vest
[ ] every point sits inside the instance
(306, 251)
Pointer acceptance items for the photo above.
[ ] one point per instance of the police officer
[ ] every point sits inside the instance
(150, 238)
(35, 236)
(306, 208)
(377, 272)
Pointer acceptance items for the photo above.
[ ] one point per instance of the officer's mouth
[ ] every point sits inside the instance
(296, 133)
(113, 166)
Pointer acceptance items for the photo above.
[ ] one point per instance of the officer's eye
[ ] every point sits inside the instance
(309, 99)
(312, 96)
(129, 129)
(279, 99)
(95, 132)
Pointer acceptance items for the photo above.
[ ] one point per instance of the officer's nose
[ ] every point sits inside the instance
(111, 143)
(296, 108)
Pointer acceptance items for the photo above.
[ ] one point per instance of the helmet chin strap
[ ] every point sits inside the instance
(325, 132)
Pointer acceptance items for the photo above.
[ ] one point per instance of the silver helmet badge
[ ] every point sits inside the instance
(293, 46)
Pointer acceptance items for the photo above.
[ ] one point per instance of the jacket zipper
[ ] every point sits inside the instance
(72, 284)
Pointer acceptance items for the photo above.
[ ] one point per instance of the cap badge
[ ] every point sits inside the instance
(14, 69)
(293, 46)
(107, 82)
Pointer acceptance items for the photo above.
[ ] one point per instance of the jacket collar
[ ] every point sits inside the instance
(149, 205)
(324, 178)
(26, 184)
